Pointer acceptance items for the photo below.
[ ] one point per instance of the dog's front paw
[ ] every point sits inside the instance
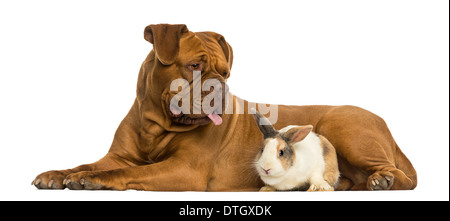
(51, 179)
(87, 180)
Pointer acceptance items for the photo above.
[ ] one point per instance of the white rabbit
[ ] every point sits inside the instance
(295, 158)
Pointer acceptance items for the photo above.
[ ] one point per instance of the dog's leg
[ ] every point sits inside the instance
(372, 155)
(170, 175)
(54, 179)
(380, 165)
(344, 183)
(390, 179)
(123, 153)
(363, 139)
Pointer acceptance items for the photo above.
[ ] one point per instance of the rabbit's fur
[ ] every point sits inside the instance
(294, 158)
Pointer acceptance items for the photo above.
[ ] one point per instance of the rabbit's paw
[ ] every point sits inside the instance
(322, 186)
(267, 189)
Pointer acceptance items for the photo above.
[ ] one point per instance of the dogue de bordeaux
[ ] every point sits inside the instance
(158, 148)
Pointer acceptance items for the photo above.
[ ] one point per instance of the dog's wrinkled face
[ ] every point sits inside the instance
(183, 60)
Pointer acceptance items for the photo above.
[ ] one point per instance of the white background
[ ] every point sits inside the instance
(68, 72)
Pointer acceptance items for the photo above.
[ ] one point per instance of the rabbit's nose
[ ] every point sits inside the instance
(266, 171)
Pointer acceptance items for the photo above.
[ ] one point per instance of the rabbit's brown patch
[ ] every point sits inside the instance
(331, 173)
(288, 156)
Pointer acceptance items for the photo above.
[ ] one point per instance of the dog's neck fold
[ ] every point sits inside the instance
(151, 103)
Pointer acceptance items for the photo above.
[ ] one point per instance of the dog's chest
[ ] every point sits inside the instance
(233, 170)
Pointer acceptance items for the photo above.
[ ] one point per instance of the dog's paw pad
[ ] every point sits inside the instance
(380, 181)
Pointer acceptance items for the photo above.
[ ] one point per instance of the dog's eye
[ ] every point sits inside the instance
(281, 153)
(195, 67)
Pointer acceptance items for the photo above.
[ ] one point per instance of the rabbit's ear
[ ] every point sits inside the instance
(296, 134)
(264, 124)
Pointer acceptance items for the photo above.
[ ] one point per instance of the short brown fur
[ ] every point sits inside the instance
(150, 151)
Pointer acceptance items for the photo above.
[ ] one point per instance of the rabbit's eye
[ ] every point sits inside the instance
(262, 149)
(281, 153)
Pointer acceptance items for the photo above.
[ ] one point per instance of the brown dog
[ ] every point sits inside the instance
(159, 148)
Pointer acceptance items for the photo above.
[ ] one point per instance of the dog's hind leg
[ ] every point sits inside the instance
(401, 177)
(382, 167)
(379, 165)
(365, 142)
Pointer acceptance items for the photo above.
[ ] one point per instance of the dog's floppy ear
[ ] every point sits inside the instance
(166, 40)
(227, 50)
(264, 124)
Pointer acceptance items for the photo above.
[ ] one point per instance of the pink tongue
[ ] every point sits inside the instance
(216, 119)
(175, 110)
